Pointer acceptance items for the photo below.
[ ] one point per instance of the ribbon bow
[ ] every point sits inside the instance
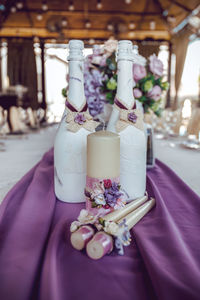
(128, 117)
(78, 120)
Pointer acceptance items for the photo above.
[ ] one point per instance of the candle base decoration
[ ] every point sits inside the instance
(104, 195)
(113, 229)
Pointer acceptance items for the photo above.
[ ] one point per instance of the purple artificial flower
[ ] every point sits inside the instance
(80, 119)
(156, 66)
(155, 93)
(96, 50)
(112, 194)
(95, 98)
(132, 117)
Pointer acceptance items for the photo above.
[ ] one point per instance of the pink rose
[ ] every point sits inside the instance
(137, 93)
(107, 183)
(139, 72)
(110, 46)
(155, 93)
(156, 65)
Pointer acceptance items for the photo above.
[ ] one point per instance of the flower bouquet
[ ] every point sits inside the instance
(100, 78)
(149, 84)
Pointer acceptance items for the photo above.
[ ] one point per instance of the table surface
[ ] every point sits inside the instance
(22, 154)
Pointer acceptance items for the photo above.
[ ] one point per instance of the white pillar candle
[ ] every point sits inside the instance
(103, 155)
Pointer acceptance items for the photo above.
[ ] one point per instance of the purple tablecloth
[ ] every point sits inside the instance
(38, 262)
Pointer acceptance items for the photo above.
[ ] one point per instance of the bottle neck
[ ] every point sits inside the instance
(125, 82)
(76, 93)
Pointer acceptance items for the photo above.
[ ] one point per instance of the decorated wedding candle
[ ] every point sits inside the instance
(103, 170)
(81, 237)
(119, 214)
(100, 245)
(102, 242)
(136, 215)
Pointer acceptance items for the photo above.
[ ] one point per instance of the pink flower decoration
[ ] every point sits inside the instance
(137, 93)
(107, 183)
(139, 72)
(155, 93)
(156, 65)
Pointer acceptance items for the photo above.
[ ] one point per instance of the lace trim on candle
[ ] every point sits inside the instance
(128, 117)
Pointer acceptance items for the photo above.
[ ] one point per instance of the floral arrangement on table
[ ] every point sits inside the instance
(149, 84)
(106, 194)
(101, 80)
(100, 77)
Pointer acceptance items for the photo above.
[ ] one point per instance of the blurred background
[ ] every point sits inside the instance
(33, 50)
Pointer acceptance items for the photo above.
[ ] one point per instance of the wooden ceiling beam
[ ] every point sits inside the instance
(29, 17)
(93, 12)
(181, 6)
(143, 14)
(5, 14)
(164, 18)
(82, 34)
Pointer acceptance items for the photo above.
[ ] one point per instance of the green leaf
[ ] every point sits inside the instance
(159, 112)
(94, 204)
(109, 96)
(64, 92)
(143, 99)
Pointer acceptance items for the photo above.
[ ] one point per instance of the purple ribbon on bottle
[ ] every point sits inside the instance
(72, 108)
(120, 105)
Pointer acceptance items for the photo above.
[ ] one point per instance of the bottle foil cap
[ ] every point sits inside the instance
(125, 50)
(76, 50)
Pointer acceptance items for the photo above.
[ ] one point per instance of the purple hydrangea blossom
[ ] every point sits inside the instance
(112, 194)
(95, 98)
(80, 119)
(132, 117)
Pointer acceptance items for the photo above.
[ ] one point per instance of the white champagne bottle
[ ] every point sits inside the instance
(71, 137)
(128, 122)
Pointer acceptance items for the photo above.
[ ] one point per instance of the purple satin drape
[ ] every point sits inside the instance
(37, 261)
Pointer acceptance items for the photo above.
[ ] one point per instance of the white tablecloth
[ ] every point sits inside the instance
(23, 154)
